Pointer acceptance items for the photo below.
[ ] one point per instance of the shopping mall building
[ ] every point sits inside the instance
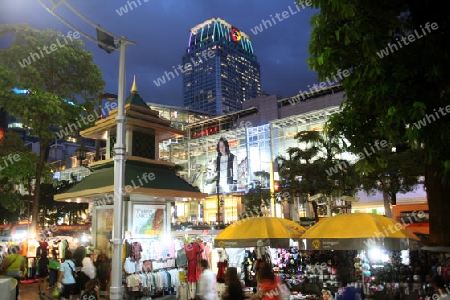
(262, 130)
(257, 134)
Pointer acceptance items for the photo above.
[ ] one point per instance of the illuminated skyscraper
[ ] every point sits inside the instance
(220, 68)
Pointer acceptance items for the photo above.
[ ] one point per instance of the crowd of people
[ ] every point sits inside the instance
(66, 279)
(84, 282)
(59, 277)
(270, 286)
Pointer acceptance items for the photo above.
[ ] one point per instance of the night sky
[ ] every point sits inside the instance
(161, 31)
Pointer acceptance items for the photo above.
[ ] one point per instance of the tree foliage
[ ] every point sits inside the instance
(388, 94)
(18, 167)
(14, 172)
(51, 210)
(315, 168)
(391, 173)
(62, 84)
(257, 200)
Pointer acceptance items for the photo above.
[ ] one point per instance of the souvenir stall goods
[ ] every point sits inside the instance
(390, 274)
(147, 263)
(378, 263)
(256, 235)
(157, 283)
(307, 272)
(155, 267)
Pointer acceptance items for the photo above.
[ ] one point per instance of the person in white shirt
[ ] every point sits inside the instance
(207, 282)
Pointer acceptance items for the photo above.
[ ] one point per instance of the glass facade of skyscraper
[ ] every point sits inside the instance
(221, 70)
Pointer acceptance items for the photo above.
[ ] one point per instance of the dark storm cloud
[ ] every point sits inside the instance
(161, 30)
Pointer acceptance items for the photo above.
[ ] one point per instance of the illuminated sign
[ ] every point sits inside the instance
(235, 35)
(207, 131)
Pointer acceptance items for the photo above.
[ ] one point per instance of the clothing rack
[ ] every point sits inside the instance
(164, 269)
(153, 283)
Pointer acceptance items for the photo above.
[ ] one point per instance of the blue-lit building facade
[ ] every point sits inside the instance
(221, 70)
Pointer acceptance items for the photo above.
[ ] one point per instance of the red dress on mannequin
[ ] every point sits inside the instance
(222, 266)
(193, 251)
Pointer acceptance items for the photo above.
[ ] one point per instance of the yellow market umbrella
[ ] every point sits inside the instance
(359, 231)
(271, 231)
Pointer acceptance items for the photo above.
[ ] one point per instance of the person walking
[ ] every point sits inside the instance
(326, 295)
(233, 289)
(206, 284)
(92, 290)
(66, 278)
(43, 272)
(14, 264)
(439, 287)
(270, 287)
(53, 267)
(88, 272)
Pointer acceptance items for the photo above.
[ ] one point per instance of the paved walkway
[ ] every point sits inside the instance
(29, 291)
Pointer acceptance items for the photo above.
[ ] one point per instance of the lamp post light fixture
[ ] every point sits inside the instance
(81, 152)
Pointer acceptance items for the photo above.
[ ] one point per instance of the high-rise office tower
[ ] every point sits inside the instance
(220, 69)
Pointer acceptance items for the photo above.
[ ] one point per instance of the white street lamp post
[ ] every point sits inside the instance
(119, 147)
(119, 176)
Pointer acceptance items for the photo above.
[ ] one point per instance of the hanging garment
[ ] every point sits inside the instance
(222, 266)
(181, 259)
(182, 291)
(129, 266)
(193, 252)
(136, 250)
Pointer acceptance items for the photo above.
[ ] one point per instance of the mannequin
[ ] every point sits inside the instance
(193, 251)
(262, 258)
(222, 265)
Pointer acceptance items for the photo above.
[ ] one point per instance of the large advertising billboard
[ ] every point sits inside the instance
(222, 166)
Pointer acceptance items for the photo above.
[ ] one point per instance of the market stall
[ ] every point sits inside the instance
(271, 231)
(373, 253)
(261, 238)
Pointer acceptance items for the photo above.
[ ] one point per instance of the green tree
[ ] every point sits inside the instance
(391, 173)
(55, 81)
(51, 210)
(397, 57)
(316, 169)
(257, 199)
(17, 168)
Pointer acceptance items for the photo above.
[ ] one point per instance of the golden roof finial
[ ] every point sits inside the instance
(134, 88)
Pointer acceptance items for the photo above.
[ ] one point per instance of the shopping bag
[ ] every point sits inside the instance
(56, 293)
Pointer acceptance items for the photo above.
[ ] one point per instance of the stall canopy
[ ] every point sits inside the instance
(359, 231)
(271, 231)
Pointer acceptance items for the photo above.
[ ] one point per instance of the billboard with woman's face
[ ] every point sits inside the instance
(221, 166)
